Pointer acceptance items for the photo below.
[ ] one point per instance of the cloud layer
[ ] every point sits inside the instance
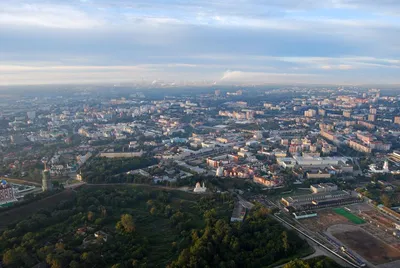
(245, 41)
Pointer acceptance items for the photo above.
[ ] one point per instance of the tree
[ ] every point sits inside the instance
(386, 200)
(10, 258)
(53, 261)
(153, 211)
(89, 257)
(90, 216)
(126, 223)
(285, 241)
(74, 264)
(297, 264)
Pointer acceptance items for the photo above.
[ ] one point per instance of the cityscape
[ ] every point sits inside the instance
(324, 161)
(199, 134)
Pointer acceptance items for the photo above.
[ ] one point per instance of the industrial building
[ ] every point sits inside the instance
(319, 200)
(323, 188)
(395, 157)
(315, 165)
(318, 174)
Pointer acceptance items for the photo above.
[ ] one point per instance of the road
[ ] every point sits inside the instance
(359, 171)
(328, 252)
(21, 181)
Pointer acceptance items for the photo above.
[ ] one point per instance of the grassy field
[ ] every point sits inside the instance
(350, 216)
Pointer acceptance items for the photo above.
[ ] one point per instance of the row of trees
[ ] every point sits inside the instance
(318, 262)
(104, 170)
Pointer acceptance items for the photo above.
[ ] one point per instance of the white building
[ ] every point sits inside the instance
(220, 172)
(199, 188)
(310, 113)
(385, 169)
(286, 162)
(323, 187)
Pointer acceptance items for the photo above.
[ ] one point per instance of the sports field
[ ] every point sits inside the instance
(350, 216)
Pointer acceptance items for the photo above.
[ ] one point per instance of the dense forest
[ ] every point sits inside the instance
(110, 170)
(142, 226)
(259, 241)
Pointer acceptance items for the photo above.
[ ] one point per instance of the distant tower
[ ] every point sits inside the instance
(46, 180)
(220, 172)
(386, 166)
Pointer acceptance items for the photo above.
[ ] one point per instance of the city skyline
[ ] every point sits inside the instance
(246, 42)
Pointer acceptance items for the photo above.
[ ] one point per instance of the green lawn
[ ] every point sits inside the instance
(350, 216)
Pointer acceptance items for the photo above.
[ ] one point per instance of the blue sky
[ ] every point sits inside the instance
(177, 41)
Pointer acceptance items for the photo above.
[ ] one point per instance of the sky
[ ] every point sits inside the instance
(225, 42)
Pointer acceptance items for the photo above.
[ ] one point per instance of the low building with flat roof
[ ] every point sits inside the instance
(323, 187)
(319, 200)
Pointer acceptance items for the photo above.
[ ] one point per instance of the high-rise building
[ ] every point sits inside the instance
(347, 114)
(46, 181)
(321, 112)
(372, 110)
(372, 117)
(250, 115)
(220, 172)
(397, 120)
(310, 113)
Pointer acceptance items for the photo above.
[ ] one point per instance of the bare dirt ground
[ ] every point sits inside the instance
(377, 218)
(363, 243)
(324, 219)
(381, 234)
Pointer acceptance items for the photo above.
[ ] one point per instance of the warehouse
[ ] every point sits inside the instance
(319, 200)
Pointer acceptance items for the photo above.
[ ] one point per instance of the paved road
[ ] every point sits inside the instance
(21, 181)
(327, 252)
(359, 171)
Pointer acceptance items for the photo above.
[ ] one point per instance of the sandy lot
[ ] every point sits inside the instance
(363, 243)
(324, 219)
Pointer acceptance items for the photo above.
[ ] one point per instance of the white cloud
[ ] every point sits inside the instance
(337, 67)
(230, 77)
(46, 15)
